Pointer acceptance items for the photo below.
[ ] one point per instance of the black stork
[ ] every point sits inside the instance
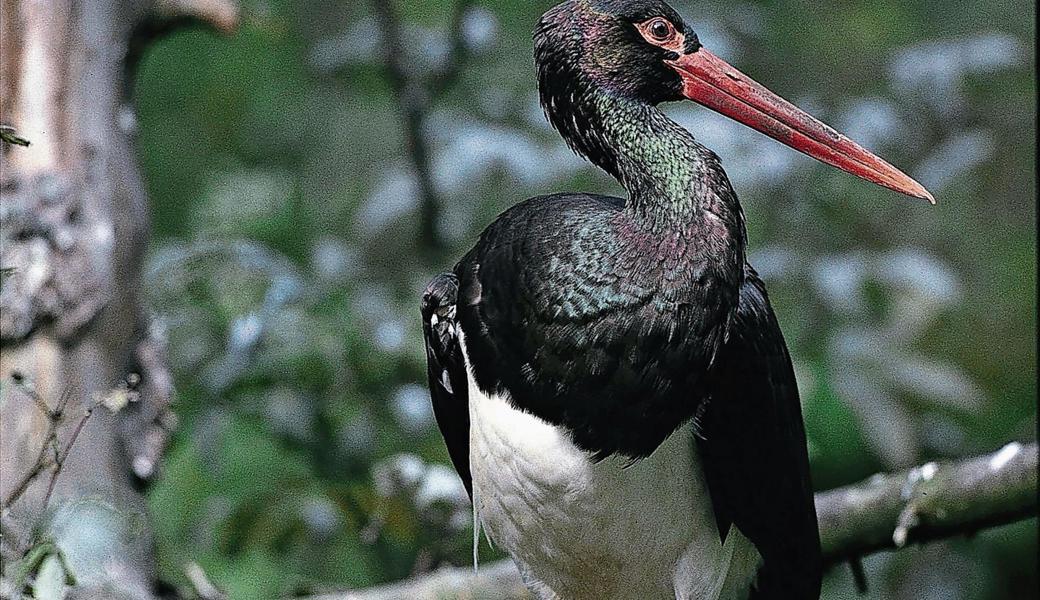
(607, 373)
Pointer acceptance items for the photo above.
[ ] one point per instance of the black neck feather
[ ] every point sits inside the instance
(672, 180)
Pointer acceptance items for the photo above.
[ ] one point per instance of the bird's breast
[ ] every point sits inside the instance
(593, 529)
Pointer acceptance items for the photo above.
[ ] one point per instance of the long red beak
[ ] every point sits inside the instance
(709, 80)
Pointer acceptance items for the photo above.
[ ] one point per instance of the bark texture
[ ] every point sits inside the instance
(74, 225)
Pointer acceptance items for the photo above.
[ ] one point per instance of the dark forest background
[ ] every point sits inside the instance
(296, 220)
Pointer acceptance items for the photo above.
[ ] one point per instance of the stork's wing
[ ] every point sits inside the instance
(752, 447)
(447, 370)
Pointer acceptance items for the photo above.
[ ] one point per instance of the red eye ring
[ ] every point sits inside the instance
(658, 31)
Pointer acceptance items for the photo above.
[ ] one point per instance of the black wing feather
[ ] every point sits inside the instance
(753, 450)
(446, 370)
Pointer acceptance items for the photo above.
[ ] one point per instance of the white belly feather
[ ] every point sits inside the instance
(607, 530)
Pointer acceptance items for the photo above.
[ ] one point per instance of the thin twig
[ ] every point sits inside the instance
(40, 404)
(42, 462)
(56, 460)
(59, 463)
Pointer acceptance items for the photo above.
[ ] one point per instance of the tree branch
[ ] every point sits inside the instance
(223, 15)
(411, 100)
(447, 74)
(413, 95)
(926, 503)
(499, 580)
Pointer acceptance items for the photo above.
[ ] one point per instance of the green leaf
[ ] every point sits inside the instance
(8, 135)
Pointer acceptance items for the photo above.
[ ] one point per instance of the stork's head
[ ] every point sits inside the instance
(643, 51)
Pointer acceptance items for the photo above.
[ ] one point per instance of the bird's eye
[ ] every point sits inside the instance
(658, 31)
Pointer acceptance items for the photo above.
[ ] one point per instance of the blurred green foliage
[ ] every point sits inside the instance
(286, 269)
